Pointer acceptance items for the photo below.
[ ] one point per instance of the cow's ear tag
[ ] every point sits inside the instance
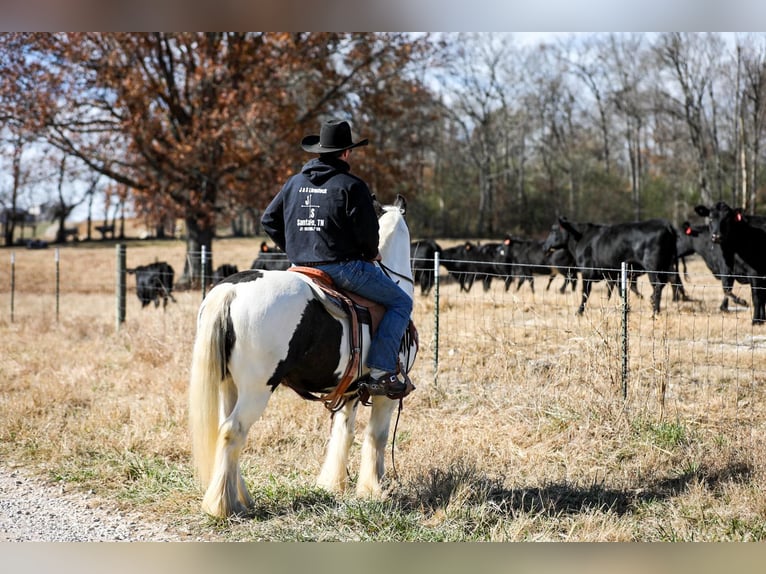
(507, 242)
(688, 231)
(738, 216)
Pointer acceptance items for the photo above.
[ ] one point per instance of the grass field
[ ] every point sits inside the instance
(521, 434)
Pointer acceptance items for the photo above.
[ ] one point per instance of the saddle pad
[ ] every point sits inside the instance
(366, 310)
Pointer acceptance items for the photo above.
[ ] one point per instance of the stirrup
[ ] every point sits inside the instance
(388, 385)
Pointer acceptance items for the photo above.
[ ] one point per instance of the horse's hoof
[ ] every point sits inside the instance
(371, 493)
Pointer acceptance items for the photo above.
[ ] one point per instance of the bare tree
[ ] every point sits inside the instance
(587, 63)
(752, 116)
(624, 58)
(558, 132)
(9, 201)
(187, 120)
(476, 102)
(692, 63)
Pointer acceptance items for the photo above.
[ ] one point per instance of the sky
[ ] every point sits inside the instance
(392, 15)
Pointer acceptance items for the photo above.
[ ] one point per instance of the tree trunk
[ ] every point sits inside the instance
(122, 219)
(11, 214)
(88, 231)
(197, 236)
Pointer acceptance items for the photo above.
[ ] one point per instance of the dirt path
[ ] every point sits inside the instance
(31, 510)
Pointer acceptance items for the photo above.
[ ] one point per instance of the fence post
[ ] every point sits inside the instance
(436, 319)
(624, 294)
(203, 270)
(121, 290)
(56, 258)
(13, 281)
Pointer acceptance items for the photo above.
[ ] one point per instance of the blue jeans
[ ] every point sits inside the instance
(369, 281)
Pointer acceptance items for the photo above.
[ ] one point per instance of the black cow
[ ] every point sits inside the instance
(528, 261)
(422, 254)
(224, 271)
(599, 251)
(154, 282)
(696, 239)
(744, 237)
(469, 262)
(499, 262)
(271, 258)
(562, 262)
(490, 260)
(457, 261)
(525, 258)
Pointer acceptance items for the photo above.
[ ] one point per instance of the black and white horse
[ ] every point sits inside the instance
(258, 329)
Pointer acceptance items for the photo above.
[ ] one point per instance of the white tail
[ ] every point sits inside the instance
(209, 379)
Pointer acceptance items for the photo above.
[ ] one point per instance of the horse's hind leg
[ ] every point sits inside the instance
(334, 476)
(371, 466)
(227, 493)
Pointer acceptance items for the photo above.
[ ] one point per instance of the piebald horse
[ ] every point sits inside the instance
(259, 329)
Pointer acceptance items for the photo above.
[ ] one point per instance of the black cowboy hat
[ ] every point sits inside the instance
(334, 136)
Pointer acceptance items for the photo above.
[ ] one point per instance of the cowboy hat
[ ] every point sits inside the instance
(335, 135)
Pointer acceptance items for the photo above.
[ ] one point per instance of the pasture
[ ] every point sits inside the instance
(522, 435)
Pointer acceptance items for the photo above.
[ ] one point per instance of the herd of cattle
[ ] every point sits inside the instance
(732, 244)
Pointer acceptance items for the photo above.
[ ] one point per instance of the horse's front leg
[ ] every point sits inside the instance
(371, 466)
(334, 476)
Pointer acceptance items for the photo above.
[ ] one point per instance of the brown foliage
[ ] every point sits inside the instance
(196, 123)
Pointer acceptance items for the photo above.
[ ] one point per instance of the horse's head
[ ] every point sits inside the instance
(395, 243)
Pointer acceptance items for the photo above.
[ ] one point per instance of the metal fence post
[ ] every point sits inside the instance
(121, 289)
(203, 270)
(56, 258)
(436, 318)
(624, 293)
(13, 281)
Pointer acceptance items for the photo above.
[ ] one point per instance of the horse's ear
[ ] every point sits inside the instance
(401, 203)
(377, 205)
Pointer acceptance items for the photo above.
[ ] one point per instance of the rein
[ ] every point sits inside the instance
(410, 336)
(388, 271)
(393, 439)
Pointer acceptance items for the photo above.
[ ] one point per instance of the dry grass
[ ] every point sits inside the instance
(522, 436)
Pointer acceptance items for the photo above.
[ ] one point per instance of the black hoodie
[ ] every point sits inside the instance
(323, 214)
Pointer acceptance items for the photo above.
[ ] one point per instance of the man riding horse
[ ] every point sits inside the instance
(325, 217)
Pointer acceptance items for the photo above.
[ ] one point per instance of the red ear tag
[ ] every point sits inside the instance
(738, 217)
(688, 231)
(507, 242)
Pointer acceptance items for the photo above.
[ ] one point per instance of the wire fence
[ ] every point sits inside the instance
(689, 354)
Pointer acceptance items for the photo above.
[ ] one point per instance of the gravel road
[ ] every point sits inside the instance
(31, 510)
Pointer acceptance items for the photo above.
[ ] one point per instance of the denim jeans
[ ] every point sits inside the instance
(368, 280)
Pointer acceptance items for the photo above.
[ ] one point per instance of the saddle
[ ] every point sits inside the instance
(359, 310)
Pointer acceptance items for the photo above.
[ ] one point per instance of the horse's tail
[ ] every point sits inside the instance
(209, 375)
